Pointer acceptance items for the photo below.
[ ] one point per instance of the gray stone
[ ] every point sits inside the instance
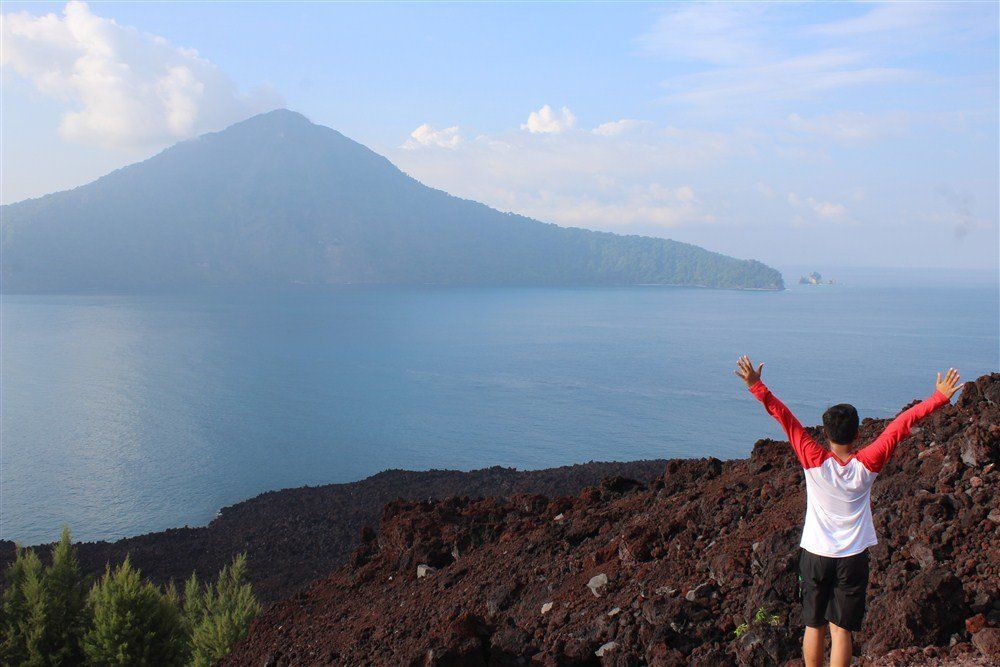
(596, 583)
(605, 648)
(922, 554)
(700, 591)
(969, 455)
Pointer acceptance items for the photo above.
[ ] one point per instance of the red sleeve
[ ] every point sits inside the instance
(875, 455)
(810, 454)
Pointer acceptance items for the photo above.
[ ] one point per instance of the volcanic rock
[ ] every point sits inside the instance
(700, 522)
(294, 536)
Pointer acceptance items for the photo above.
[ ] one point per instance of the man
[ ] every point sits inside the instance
(838, 530)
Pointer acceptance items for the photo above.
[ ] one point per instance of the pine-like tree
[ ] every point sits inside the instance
(66, 620)
(133, 622)
(219, 617)
(25, 607)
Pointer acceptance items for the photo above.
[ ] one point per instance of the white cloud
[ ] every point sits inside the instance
(123, 87)
(707, 32)
(745, 56)
(426, 135)
(617, 127)
(650, 205)
(764, 189)
(792, 78)
(823, 210)
(599, 180)
(907, 25)
(685, 193)
(545, 120)
(849, 125)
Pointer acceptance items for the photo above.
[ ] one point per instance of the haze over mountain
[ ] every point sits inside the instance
(277, 199)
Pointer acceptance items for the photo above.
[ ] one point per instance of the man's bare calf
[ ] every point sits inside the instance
(814, 646)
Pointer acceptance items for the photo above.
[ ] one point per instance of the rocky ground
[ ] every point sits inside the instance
(294, 536)
(696, 567)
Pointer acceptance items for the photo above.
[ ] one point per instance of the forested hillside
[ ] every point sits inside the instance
(277, 199)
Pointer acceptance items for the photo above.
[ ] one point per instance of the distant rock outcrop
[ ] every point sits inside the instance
(277, 200)
(815, 278)
(696, 568)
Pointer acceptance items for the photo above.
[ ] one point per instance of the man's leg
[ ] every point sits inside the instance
(813, 645)
(816, 578)
(847, 608)
(840, 646)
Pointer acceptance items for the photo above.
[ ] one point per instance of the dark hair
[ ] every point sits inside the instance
(841, 423)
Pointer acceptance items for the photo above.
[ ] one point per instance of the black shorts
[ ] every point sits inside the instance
(833, 589)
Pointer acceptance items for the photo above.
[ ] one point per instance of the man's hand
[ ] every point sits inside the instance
(745, 371)
(950, 384)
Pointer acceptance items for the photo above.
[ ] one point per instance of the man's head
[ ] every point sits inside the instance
(841, 424)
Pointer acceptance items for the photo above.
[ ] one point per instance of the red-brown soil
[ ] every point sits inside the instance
(293, 536)
(687, 559)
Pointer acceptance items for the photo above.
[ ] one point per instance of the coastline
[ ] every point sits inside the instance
(295, 535)
(703, 542)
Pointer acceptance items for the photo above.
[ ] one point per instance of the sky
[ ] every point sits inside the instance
(826, 134)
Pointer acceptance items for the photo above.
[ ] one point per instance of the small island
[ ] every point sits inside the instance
(815, 278)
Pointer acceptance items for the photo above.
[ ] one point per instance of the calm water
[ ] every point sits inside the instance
(128, 413)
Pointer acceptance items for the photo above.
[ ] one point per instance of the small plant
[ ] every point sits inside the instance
(761, 617)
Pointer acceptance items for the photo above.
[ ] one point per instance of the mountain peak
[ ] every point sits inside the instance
(279, 116)
(274, 119)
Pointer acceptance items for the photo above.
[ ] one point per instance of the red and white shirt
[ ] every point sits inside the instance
(838, 493)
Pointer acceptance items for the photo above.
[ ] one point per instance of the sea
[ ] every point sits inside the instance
(122, 414)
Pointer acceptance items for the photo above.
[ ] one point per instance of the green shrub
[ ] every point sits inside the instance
(216, 618)
(66, 619)
(133, 622)
(25, 607)
(48, 618)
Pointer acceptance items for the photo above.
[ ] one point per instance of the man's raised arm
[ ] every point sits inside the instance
(808, 452)
(875, 455)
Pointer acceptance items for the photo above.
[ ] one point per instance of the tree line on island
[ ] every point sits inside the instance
(52, 615)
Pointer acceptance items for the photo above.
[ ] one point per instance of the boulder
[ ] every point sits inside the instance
(928, 609)
(987, 641)
(701, 592)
